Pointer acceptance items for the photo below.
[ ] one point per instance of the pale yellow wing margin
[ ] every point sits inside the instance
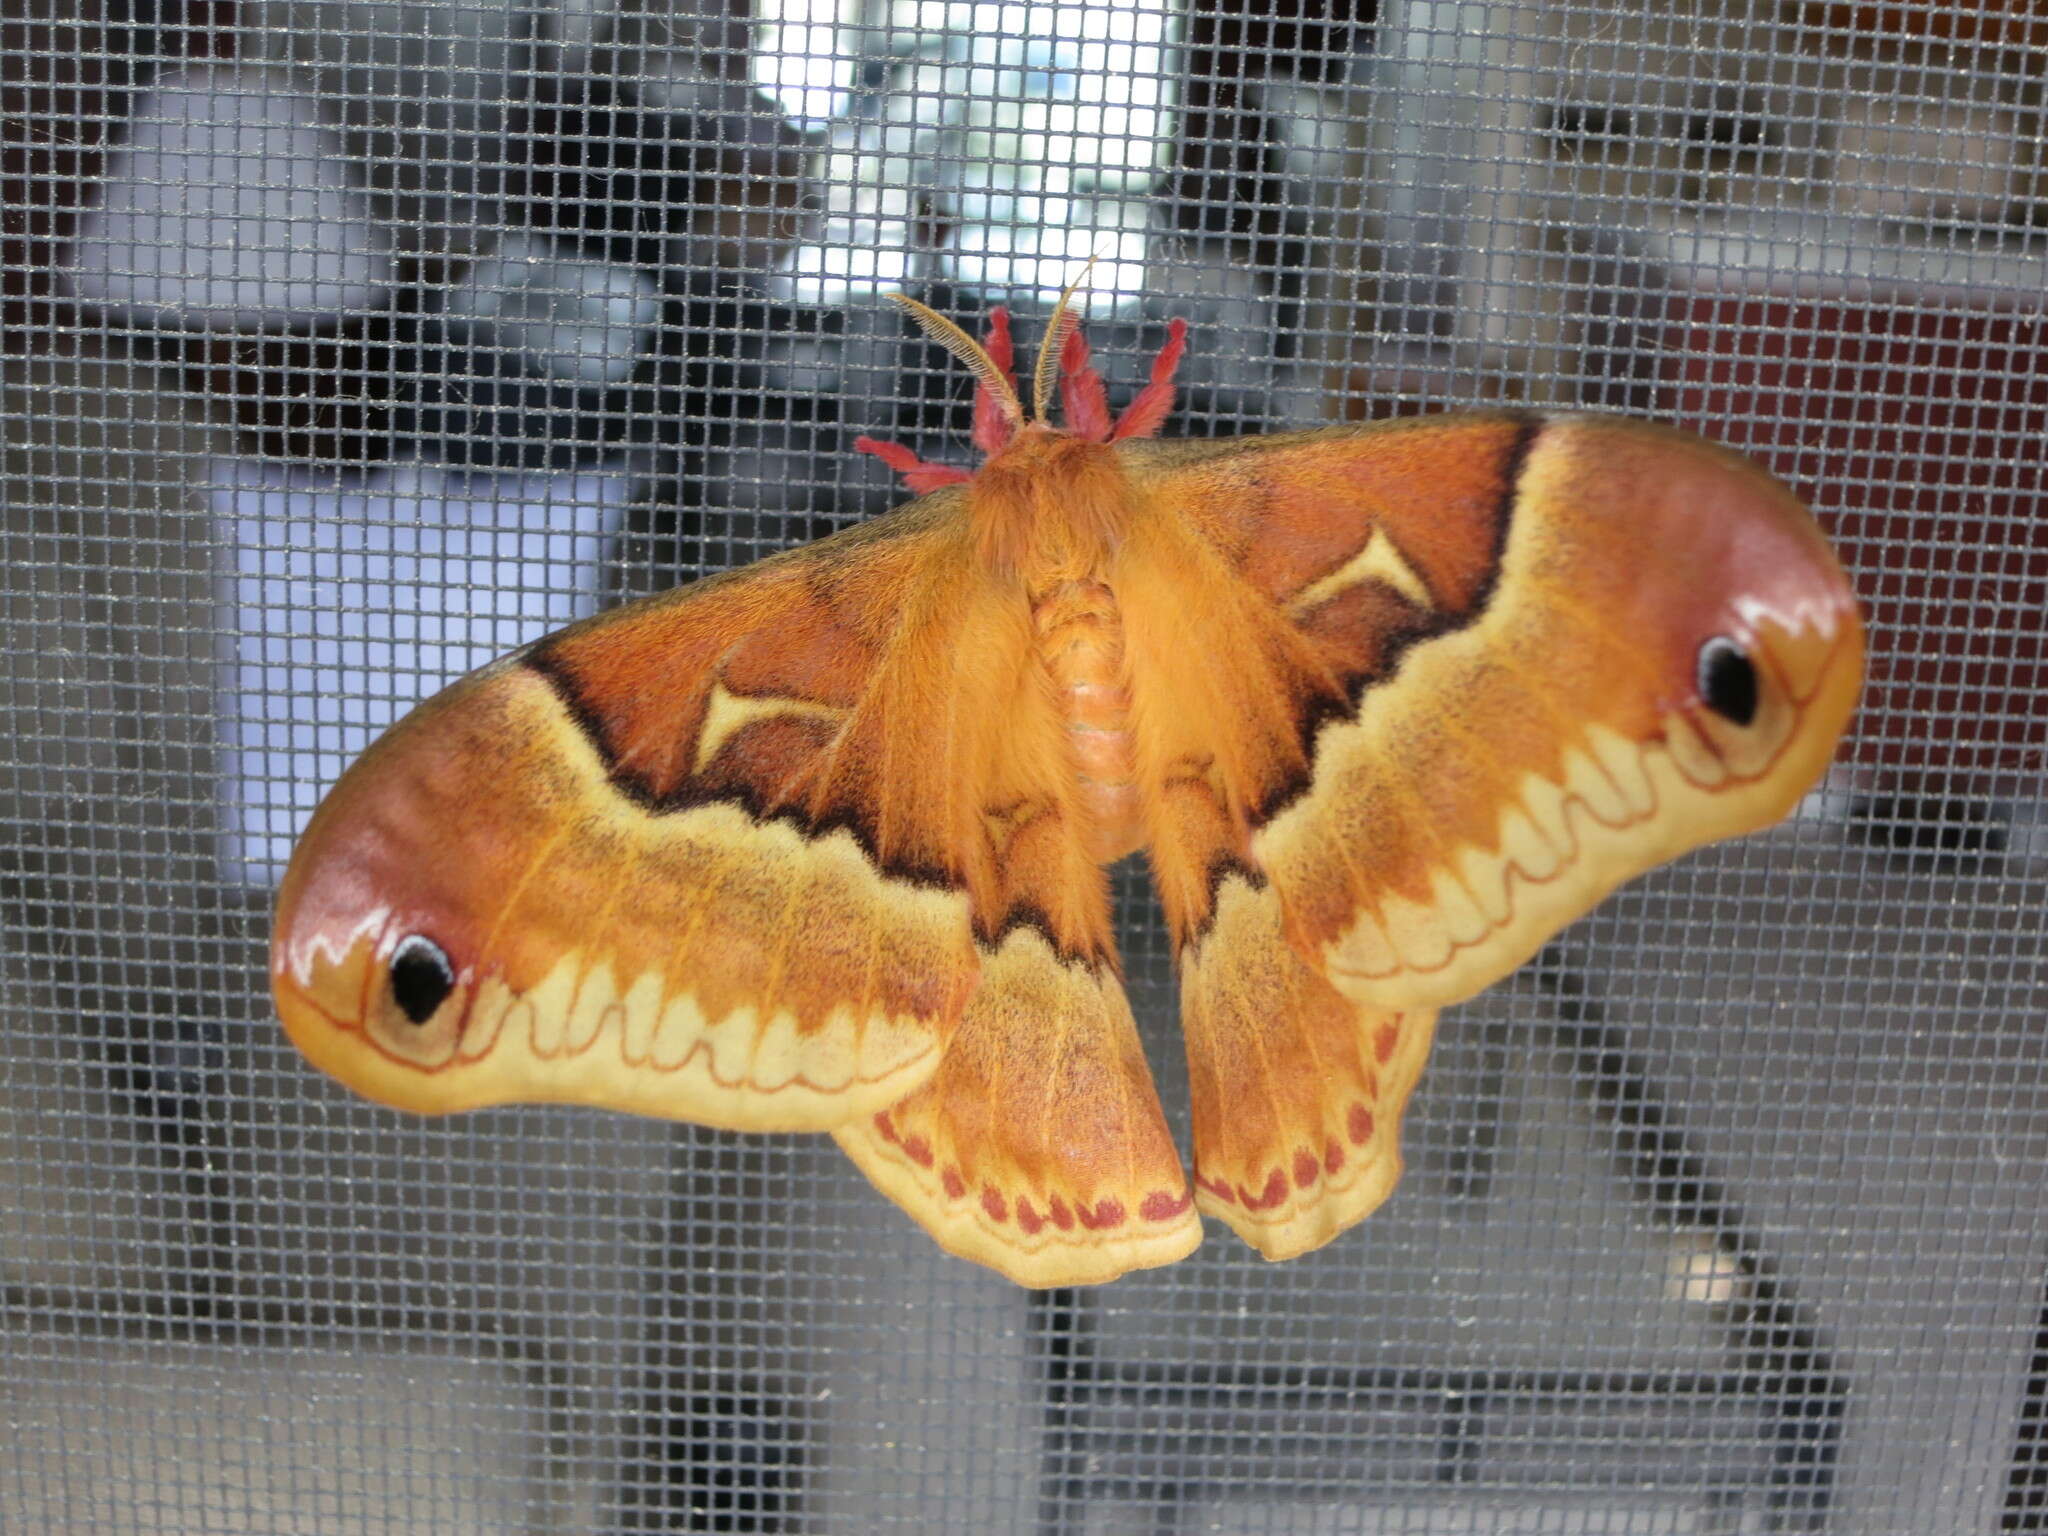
(1298, 1090)
(707, 857)
(1038, 1148)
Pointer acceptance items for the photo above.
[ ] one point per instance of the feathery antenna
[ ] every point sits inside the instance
(970, 352)
(1057, 329)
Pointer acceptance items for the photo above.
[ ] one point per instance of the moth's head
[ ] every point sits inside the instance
(1002, 429)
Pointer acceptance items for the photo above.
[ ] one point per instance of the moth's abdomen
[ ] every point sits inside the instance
(1081, 640)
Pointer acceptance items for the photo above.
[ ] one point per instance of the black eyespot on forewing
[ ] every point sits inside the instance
(1728, 682)
(421, 977)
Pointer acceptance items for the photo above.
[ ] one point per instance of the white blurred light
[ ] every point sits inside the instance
(574, 317)
(826, 274)
(1027, 132)
(350, 605)
(1004, 258)
(801, 60)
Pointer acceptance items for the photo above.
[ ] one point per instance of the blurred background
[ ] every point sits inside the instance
(345, 344)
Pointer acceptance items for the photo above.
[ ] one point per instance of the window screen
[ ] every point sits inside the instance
(350, 344)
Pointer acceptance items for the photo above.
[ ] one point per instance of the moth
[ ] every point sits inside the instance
(820, 844)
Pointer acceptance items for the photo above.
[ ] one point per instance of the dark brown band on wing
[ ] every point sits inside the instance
(692, 790)
(1102, 958)
(1368, 631)
(750, 796)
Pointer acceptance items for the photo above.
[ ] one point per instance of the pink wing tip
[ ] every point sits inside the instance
(1081, 393)
(998, 346)
(1150, 407)
(917, 475)
(992, 428)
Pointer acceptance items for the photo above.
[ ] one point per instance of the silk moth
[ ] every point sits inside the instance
(819, 844)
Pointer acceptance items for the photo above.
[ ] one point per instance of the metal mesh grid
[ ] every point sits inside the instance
(350, 343)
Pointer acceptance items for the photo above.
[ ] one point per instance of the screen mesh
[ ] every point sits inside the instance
(348, 344)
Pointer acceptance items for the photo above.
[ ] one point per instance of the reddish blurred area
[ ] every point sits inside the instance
(2021, 23)
(1916, 429)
